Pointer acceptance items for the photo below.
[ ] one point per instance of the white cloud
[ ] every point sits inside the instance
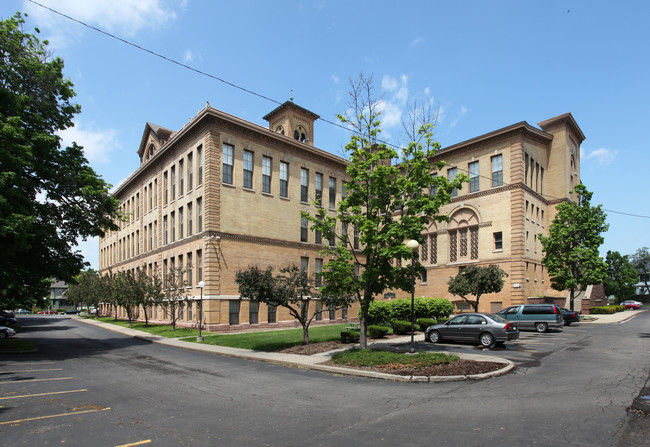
(188, 56)
(462, 113)
(335, 78)
(97, 144)
(393, 107)
(123, 17)
(417, 41)
(603, 156)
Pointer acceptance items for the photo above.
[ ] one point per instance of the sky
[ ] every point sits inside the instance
(484, 64)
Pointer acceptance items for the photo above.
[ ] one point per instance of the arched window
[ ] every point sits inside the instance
(280, 130)
(150, 151)
(300, 134)
(573, 172)
(429, 247)
(463, 236)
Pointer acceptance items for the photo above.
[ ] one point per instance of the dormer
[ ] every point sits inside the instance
(293, 121)
(153, 138)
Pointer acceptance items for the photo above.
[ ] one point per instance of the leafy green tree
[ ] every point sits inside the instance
(476, 281)
(153, 293)
(640, 260)
(571, 247)
(128, 293)
(621, 276)
(291, 289)
(85, 288)
(175, 295)
(386, 205)
(49, 195)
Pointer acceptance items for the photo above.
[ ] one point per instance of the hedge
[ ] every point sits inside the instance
(381, 312)
(350, 336)
(377, 331)
(606, 309)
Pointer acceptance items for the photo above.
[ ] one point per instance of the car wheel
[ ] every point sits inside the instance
(434, 336)
(3, 334)
(486, 339)
(541, 327)
(567, 323)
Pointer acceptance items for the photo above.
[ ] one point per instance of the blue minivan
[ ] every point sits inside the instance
(539, 317)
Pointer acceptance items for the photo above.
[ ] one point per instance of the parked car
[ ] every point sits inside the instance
(539, 317)
(631, 304)
(7, 314)
(21, 311)
(71, 311)
(5, 321)
(570, 316)
(6, 332)
(47, 312)
(487, 329)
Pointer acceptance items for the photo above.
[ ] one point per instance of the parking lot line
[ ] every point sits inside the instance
(18, 421)
(147, 441)
(30, 370)
(4, 382)
(42, 394)
(28, 363)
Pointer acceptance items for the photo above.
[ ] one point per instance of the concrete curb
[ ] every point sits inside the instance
(307, 362)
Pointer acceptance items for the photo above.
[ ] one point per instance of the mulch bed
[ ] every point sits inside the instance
(458, 368)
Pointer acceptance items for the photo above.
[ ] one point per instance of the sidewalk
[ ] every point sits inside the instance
(317, 361)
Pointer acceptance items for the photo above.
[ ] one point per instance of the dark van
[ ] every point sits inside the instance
(539, 317)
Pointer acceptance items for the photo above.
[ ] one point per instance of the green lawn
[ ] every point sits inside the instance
(16, 345)
(156, 329)
(274, 340)
(377, 357)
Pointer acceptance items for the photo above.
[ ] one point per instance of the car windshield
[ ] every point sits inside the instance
(497, 318)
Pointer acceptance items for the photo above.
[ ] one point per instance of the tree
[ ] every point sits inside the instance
(127, 292)
(291, 289)
(621, 276)
(571, 247)
(85, 288)
(49, 196)
(153, 293)
(640, 260)
(175, 294)
(476, 281)
(386, 205)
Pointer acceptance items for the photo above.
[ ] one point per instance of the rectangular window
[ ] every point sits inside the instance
(344, 191)
(473, 177)
(190, 278)
(248, 169)
(332, 315)
(344, 231)
(172, 180)
(137, 205)
(199, 266)
(304, 229)
(355, 244)
(266, 174)
(319, 310)
(227, 164)
(319, 189)
(272, 313)
(165, 188)
(304, 265)
(181, 271)
(284, 179)
(332, 191)
(318, 237)
(199, 161)
(190, 172)
(233, 311)
(433, 189)
(189, 219)
(332, 237)
(155, 193)
(318, 269)
(451, 174)
(181, 180)
(165, 234)
(180, 223)
(172, 217)
(199, 214)
(253, 312)
(497, 170)
(304, 184)
(498, 241)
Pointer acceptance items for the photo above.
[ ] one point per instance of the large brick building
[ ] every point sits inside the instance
(222, 193)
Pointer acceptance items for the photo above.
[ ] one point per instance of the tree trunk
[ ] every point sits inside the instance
(571, 298)
(305, 334)
(363, 340)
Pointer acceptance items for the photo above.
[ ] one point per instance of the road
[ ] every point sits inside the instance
(89, 386)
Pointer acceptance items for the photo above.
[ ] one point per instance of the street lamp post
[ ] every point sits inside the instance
(413, 245)
(200, 285)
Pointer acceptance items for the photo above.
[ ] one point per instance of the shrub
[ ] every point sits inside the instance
(426, 322)
(606, 309)
(443, 320)
(377, 331)
(401, 327)
(350, 336)
(378, 312)
(437, 307)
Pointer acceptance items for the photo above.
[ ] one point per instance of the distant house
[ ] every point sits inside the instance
(641, 289)
(58, 294)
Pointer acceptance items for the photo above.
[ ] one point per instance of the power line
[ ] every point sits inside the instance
(232, 84)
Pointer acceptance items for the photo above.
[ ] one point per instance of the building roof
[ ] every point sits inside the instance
(290, 105)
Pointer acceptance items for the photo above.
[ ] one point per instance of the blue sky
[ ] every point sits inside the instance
(485, 64)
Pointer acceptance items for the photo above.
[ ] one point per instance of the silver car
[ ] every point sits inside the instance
(6, 332)
(487, 329)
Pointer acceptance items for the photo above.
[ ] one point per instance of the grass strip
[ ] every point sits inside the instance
(16, 345)
(377, 357)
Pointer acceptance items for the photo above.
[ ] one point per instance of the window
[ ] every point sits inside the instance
(165, 188)
(344, 191)
(190, 278)
(137, 206)
(199, 161)
(497, 170)
(199, 266)
(319, 189)
(332, 311)
(473, 177)
(304, 265)
(181, 180)
(332, 192)
(190, 172)
(433, 189)
(498, 241)
(248, 169)
(253, 312)
(463, 236)
(451, 174)
(189, 219)
(165, 240)
(172, 177)
(227, 164)
(304, 184)
(332, 238)
(266, 175)
(172, 217)
(344, 232)
(355, 244)
(199, 214)
(181, 271)
(318, 236)
(318, 269)
(284, 179)
(319, 310)
(303, 229)
(180, 223)
(155, 193)
(233, 311)
(272, 313)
